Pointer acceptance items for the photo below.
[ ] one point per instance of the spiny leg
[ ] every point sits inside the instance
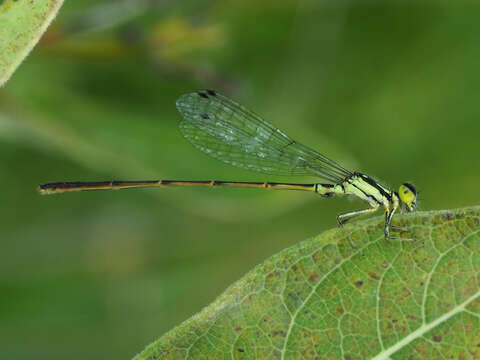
(388, 217)
(398, 228)
(388, 227)
(353, 214)
(344, 217)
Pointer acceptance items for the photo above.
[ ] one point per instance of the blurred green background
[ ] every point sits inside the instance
(388, 88)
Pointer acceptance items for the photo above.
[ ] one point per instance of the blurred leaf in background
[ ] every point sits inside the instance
(385, 88)
(22, 25)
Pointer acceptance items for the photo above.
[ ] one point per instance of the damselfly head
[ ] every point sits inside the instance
(408, 196)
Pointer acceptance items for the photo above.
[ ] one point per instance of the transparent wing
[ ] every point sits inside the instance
(229, 132)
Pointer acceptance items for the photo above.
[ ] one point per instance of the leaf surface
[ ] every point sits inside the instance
(349, 294)
(22, 23)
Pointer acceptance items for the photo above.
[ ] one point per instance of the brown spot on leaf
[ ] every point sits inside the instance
(374, 276)
(437, 338)
(384, 264)
(279, 332)
(313, 277)
(359, 283)
(406, 293)
(240, 350)
(238, 328)
(340, 310)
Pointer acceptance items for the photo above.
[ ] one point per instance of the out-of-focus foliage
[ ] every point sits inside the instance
(386, 88)
(21, 25)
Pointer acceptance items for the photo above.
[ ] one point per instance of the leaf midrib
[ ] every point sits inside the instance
(384, 355)
(425, 327)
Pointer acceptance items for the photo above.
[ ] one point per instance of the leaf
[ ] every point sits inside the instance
(349, 294)
(22, 23)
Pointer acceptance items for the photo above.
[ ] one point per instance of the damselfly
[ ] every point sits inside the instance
(229, 132)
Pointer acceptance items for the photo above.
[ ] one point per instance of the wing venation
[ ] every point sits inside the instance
(231, 133)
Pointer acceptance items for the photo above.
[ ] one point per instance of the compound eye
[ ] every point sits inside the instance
(407, 194)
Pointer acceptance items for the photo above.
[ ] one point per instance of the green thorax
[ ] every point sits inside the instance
(367, 189)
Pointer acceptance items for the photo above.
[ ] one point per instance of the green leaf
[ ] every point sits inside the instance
(22, 23)
(349, 294)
